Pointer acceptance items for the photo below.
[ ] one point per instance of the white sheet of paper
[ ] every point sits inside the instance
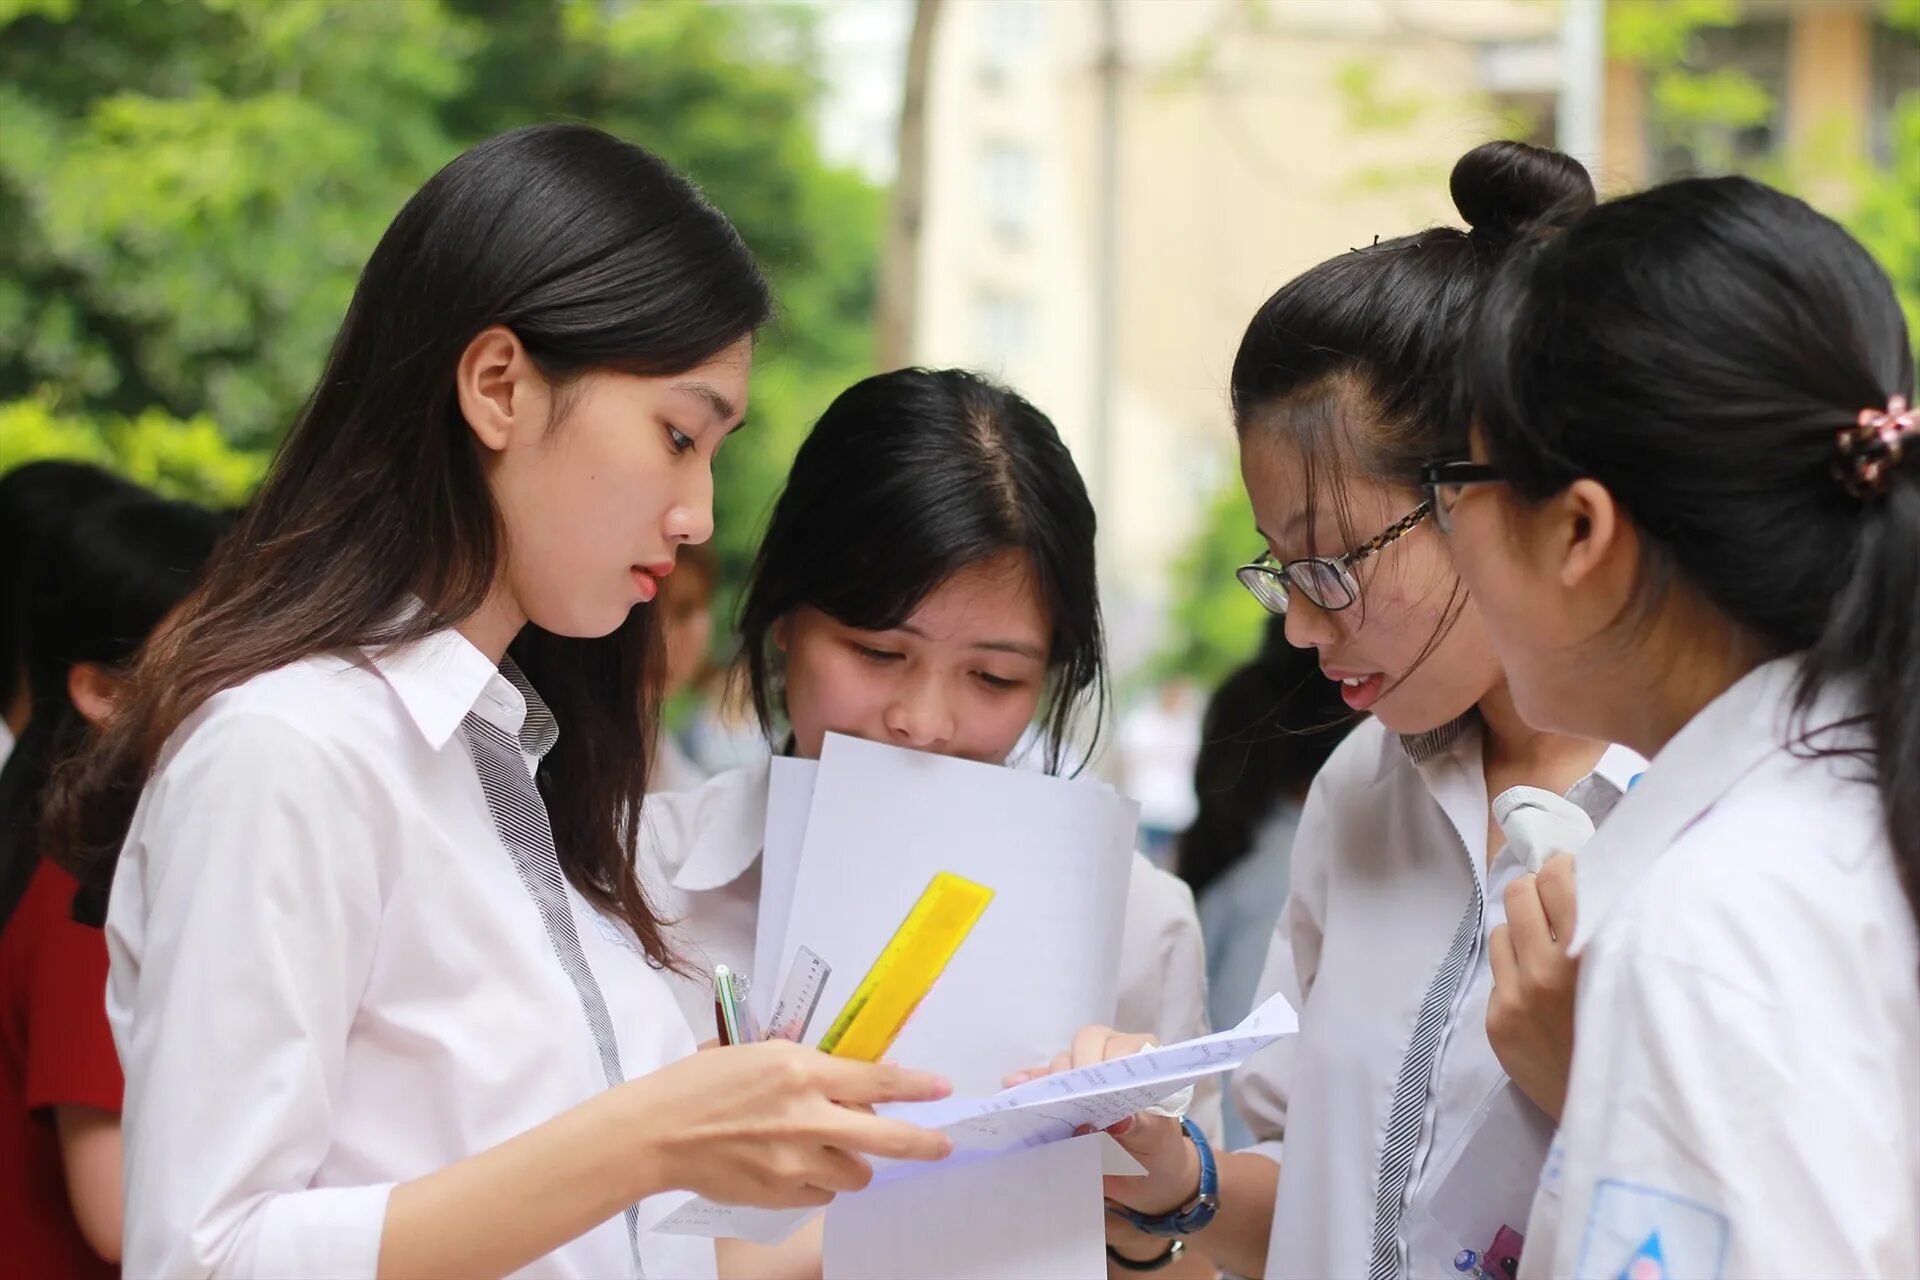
(1043, 960)
(789, 797)
(1043, 1112)
(1037, 1215)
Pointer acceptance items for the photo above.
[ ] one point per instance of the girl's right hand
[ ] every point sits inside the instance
(778, 1125)
(1156, 1141)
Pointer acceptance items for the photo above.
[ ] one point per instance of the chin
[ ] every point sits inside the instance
(1410, 719)
(583, 624)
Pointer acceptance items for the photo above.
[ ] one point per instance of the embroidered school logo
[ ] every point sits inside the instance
(1647, 1264)
(1638, 1232)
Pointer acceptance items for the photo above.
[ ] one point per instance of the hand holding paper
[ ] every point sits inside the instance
(776, 1124)
(1041, 1111)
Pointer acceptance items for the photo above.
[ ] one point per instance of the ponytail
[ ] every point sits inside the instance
(1873, 630)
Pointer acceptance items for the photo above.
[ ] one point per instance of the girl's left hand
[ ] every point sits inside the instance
(1530, 1013)
(1173, 1167)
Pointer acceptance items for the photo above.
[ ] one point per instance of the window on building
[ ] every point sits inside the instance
(1007, 189)
(1008, 32)
(1002, 330)
(1681, 145)
(1521, 79)
(1896, 73)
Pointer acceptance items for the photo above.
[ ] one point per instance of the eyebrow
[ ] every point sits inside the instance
(1018, 648)
(723, 408)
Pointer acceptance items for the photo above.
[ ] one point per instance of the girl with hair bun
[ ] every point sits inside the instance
(1409, 1118)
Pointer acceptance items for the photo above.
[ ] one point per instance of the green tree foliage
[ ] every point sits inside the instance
(188, 190)
(1215, 624)
(1704, 106)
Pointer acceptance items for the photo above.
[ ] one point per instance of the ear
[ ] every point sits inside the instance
(783, 632)
(502, 395)
(93, 690)
(1596, 533)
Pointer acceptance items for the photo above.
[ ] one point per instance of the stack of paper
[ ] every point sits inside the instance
(853, 841)
(851, 844)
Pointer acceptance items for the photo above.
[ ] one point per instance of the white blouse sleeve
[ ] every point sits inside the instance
(1260, 1087)
(243, 925)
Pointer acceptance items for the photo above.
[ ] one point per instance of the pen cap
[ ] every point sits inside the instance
(1539, 824)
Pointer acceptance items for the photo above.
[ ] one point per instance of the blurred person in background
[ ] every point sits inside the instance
(686, 622)
(96, 589)
(1158, 742)
(1269, 728)
(35, 497)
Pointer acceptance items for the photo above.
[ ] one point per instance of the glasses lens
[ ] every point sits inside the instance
(1324, 582)
(1266, 586)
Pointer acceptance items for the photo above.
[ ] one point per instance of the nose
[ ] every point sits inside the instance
(1308, 626)
(919, 717)
(690, 517)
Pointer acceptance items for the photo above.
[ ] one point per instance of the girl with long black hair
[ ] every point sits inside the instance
(385, 984)
(1692, 522)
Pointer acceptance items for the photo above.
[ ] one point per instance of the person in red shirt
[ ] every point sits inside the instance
(96, 588)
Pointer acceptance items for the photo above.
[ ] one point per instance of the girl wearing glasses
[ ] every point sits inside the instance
(1391, 1137)
(1701, 398)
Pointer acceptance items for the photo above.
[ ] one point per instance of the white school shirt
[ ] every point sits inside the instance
(1387, 861)
(1743, 1098)
(6, 743)
(700, 856)
(327, 977)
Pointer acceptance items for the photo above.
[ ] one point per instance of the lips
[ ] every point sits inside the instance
(1358, 689)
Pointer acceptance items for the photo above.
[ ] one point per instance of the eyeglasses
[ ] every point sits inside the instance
(1326, 581)
(1446, 481)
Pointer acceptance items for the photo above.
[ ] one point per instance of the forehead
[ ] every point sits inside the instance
(996, 599)
(1305, 508)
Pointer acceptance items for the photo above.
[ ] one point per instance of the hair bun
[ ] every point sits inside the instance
(1501, 187)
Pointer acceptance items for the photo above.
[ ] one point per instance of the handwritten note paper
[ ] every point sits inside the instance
(1038, 1113)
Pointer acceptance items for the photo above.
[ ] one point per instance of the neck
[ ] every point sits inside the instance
(1705, 661)
(1508, 740)
(492, 627)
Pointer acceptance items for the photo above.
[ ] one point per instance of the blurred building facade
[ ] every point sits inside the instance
(1113, 186)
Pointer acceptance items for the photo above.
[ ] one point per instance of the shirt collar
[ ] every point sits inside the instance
(1716, 749)
(728, 821)
(442, 677)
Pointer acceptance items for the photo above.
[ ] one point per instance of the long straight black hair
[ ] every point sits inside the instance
(1698, 349)
(908, 478)
(97, 586)
(598, 256)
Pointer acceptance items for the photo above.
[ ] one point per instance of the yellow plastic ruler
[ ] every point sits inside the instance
(908, 966)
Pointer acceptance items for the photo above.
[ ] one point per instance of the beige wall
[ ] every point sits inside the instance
(1235, 175)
